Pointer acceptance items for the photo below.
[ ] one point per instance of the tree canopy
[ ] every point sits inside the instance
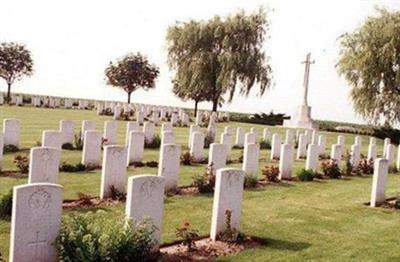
(15, 62)
(370, 62)
(220, 54)
(132, 72)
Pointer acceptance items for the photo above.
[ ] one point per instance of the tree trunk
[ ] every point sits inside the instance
(129, 97)
(9, 93)
(215, 104)
(195, 107)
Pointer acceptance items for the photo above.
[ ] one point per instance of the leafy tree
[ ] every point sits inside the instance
(132, 72)
(218, 54)
(15, 62)
(370, 62)
(187, 92)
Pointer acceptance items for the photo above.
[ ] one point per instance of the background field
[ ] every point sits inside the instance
(323, 220)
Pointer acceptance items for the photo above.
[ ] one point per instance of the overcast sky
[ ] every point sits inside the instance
(73, 41)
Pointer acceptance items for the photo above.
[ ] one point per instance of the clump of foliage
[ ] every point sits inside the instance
(131, 72)
(271, 173)
(116, 194)
(265, 144)
(153, 143)
(78, 141)
(392, 169)
(348, 166)
(15, 62)
(70, 168)
(208, 140)
(205, 182)
(186, 159)
(10, 149)
(6, 204)
(330, 168)
(366, 166)
(369, 62)
(305, 175)
(84, 237)
(230, 234)
(151, 163)
(137, 164)
(67, 146)
(241, 156)
(188, 235)
(22, 163)
(250, 181)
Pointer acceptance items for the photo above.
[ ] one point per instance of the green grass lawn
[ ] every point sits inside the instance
(323, 220)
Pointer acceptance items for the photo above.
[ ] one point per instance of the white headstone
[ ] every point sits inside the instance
(390, 152)
(372, 141)
(117, 112)
(35, 223)
(251, 158)
(87, 125)
(174, 119)
(11, 129)
(148, 130)
(168, 137)
(135, 147)
(312, 157)
(52, 138)
(168, 165)
(91, 154)
(341, 140)
(166, 127)
(226, 139)
(240, 133)
(336, 153)
(355, 155)
(145, 200)
(275, 146)
(358, 140)
(372, 151)
(67, 131)
(110, 132)
(217, 157)
(290, 133)
(381, 167)
(139, 117)
(192, 129)
(44, 163)
(227, 197)
(197, 146)
(131, 126)
(321, 144)
(286, 161)
(266, 134)
(386, 142)
(302, 147)
(250, 138)
(113, 172)
(199, 119)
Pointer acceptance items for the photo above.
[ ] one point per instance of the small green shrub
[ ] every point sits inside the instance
(205, 182)
(6, 204)
(396, 204)
(79, 167)
(186, 159)
(271, 173)
(366, 166)
(331, 169)
(188, 235)
(154, 143)
(392, 169)
(10, 149)
(88, 237)
(265, 144)
(230, 234)
(78, 141)
(305, 175)
(208, 140)
(22, 163)
(138, 164)
(348, 166)
(67, 146)
(116, 194)
(151, 164)
(250, 181)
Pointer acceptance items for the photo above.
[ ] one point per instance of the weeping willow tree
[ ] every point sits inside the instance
(219, 56)
(370, 62)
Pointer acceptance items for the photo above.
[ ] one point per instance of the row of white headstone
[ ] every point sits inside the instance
(37, 206)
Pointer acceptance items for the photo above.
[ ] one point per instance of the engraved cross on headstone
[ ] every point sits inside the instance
(307, 63)
(36, 244)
